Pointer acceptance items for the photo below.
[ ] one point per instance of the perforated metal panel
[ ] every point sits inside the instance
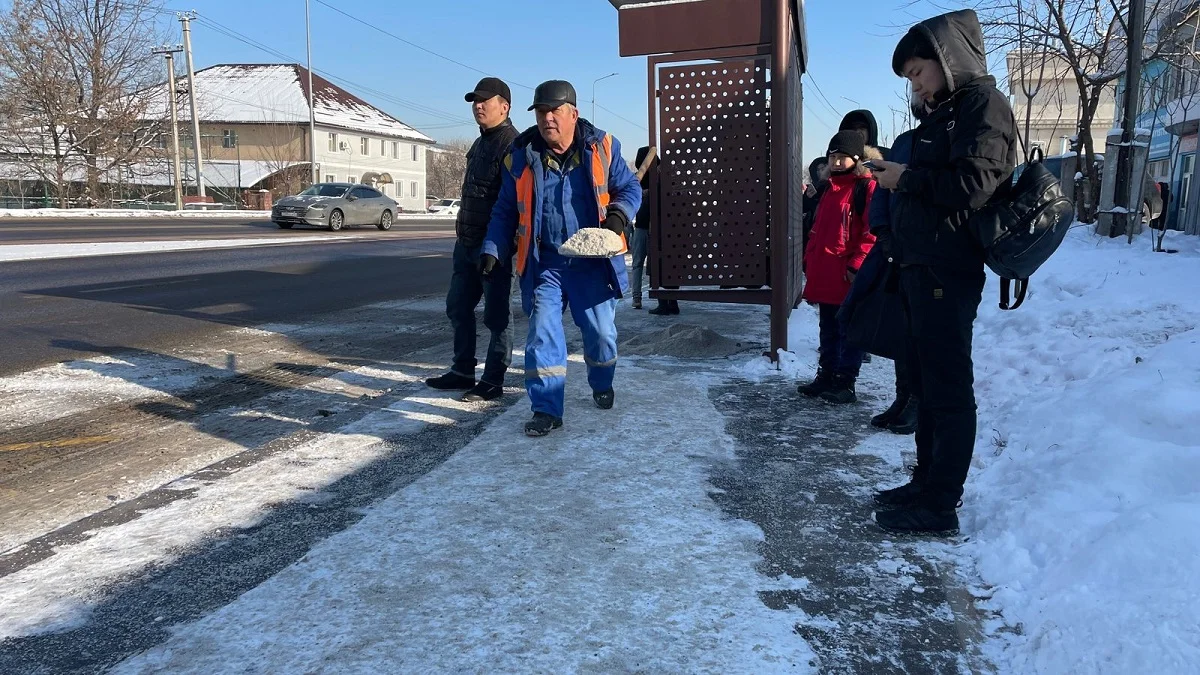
(714, 218)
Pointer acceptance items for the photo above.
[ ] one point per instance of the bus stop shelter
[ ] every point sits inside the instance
(724, 111)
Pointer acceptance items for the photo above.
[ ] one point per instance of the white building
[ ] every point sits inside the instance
(257, 115)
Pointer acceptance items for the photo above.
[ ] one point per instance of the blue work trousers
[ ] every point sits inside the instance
(546, 348)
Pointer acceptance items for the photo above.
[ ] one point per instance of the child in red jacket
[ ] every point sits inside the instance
(839, 241)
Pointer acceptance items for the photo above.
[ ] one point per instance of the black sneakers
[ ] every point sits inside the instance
(542, 424)
(820, 385)
(919, 519)
(604, 399)
(483, 392)
(451, 382)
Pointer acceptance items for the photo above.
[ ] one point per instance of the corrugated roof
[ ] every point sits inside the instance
(261, 93)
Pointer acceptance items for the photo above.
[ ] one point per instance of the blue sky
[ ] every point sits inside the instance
(528, 41)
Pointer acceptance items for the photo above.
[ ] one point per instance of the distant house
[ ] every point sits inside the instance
(255, 117)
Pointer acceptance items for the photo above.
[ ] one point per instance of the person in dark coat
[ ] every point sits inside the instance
(963, 156)
(490, 102)
(639, 240)
(876, 275)
(812, 195)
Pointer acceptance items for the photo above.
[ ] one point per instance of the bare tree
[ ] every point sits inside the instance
(74, 86)
(1089, 37)
(445, 167)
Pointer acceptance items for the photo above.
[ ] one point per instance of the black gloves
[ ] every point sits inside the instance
(616, 221)
(487, 265)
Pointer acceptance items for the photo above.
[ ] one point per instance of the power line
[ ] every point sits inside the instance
(416, 107)
(620, 117)
(413, 44)
(822, 95)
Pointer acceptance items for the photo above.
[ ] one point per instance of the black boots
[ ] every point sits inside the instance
(905, 423)
(542, 424)
(604, 399)
(666, 307)
(900, 497)
(841, 390)
(883, 419)
(820, 385)
(451, 382)
(483, 392)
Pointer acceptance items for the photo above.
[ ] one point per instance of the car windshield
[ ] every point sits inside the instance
(324, 191)
(446, 202)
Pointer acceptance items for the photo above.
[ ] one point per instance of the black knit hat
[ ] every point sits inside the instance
(849, 142)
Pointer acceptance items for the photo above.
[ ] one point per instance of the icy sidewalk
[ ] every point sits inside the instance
(630, 541)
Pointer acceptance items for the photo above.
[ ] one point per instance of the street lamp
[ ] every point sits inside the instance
(594, 92)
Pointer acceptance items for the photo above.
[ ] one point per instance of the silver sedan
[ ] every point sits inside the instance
(336, 205)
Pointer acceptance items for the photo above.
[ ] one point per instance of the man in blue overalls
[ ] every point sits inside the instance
(561, 176)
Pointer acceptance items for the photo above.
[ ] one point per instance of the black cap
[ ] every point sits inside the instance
(554, 93)
(489, 87)
(848, 142)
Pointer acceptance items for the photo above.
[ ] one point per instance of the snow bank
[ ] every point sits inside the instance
(1083, 504)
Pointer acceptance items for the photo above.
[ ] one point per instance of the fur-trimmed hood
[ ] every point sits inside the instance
(870, 152)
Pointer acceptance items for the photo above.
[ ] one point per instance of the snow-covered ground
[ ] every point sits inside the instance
(152, 214)
(12, 252)
(1083, 504)
(599, 550)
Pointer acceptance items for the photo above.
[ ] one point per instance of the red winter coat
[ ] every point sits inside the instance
(839, 241)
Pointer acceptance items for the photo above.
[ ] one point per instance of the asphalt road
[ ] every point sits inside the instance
(152, 300)
(47, 231)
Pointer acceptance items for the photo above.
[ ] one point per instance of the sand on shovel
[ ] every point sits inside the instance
(682, 341)
(593, 242)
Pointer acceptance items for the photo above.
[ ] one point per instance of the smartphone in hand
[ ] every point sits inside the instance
(873, 166)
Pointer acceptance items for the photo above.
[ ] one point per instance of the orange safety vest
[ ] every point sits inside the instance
(601, 161)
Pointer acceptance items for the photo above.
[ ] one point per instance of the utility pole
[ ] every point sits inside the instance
(1128, 185)
(312, 112)
(185, 18)
(170, 53)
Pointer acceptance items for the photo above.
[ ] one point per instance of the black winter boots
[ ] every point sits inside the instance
(841, 390)
(820, 385)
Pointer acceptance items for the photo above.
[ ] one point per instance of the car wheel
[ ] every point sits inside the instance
(385, 221)
(284, 226)
(336, 220)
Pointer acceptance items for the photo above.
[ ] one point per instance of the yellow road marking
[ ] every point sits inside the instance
(64, 443)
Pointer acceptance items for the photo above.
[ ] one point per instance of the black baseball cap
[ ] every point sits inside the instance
(489, 87)
(554, 93)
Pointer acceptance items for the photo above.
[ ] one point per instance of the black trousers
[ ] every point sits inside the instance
(940, 305)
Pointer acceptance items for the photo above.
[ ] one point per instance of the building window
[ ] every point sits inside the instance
(414, 153)
(395, 150)
(351, 179)
(330, 178)
(412, 187)
(365, 144)
(228, 138)
(333, 142)
(382, 148)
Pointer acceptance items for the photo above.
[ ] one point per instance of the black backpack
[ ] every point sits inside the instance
(1021, 231)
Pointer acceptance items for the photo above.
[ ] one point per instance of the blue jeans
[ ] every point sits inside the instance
(546, 346)
(837, 356)
(467, 287)
(640, 247)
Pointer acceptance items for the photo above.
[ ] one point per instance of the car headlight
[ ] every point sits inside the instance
(317, 207)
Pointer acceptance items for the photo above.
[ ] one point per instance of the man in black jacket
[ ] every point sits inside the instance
(963, 155)
(490, 102)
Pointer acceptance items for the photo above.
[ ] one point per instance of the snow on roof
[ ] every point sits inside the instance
(261, 93)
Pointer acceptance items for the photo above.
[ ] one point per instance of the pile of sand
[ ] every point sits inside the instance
(682, 341)
(593, 242)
